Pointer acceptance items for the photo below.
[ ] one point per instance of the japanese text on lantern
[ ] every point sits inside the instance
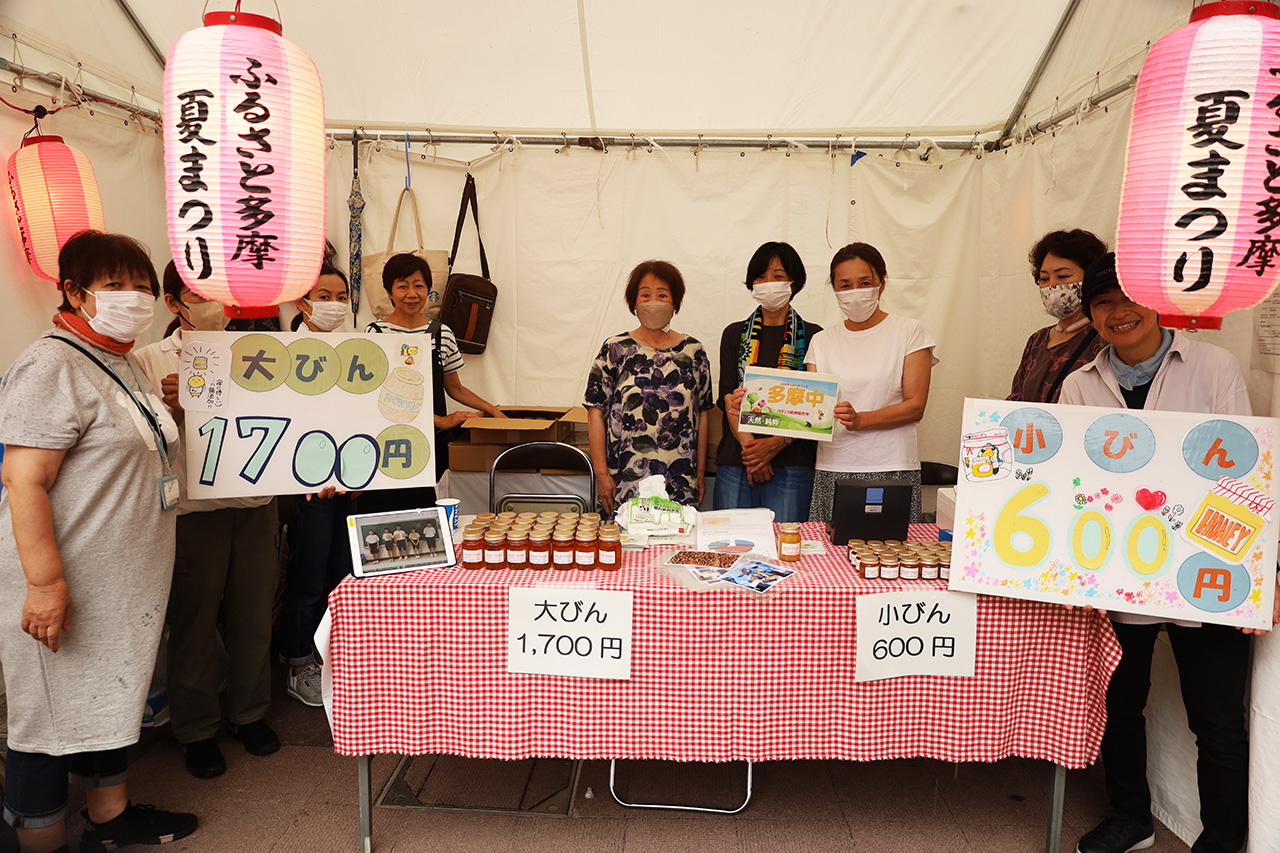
(1217, 112)
(1263, 250)
(193, 114)
(254, 246)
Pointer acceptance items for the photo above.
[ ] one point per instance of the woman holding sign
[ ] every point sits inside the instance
(86, 552)
(765, 471)
(225, 562)
(884, 362)
(1149, 367)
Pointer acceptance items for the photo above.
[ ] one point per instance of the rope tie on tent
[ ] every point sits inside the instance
(408, 177)
(654, 146)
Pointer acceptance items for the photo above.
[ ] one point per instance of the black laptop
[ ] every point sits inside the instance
(864, 509)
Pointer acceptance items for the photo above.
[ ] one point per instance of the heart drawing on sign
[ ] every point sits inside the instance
(1149, 500)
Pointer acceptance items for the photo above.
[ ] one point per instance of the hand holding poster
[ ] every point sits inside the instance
(789, 403)
(278, 414)
(1160, 513)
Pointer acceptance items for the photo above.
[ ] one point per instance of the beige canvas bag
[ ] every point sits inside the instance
(437, 259)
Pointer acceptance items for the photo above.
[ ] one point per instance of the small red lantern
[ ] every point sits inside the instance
(55, 196)
(244, 163)
(1201, 201)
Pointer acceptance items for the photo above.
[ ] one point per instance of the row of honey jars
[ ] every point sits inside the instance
(911, 561)
(541, 541)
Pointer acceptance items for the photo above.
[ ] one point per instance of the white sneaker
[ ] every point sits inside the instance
(305, 686)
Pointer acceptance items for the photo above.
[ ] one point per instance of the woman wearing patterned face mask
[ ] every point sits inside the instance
(765, 471)
(884, 363)
(1058, 261)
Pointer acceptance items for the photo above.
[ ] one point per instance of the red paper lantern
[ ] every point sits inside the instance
(1201, 200)
(55, 196)
(244, 163)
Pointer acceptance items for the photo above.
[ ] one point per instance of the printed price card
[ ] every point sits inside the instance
(281, 413)
(789, 403)
(916, 633)
(584, 633)
(1166, 514)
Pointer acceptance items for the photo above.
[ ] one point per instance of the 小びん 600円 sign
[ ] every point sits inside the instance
(273, 414)
(1167, 514)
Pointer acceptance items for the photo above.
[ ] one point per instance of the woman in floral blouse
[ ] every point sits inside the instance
(649, 397)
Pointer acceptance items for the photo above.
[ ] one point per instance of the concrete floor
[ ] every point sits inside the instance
(304, 799)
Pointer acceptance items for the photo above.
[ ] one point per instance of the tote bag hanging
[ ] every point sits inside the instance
(437, 259)
(467, 307)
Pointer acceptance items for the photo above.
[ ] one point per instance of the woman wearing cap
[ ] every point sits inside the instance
(86, 552)
(1058, 261)
(884, 362)
(648, 397)
(1148, 367)
(765, 471)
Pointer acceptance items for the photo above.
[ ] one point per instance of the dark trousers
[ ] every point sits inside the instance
(35, 784)
(1213, 668)
(226, 560)
(319, 557)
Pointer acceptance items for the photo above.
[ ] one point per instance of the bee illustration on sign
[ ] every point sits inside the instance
(202, 371)
(987, 456)
(408, 351)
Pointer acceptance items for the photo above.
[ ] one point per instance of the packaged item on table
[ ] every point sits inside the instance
(609, 550)
(929, 568)
(562, 550)
(540, 550)
(908, 565)
(473, 549)
(789, 542)
(495, 550)
(585, 549)
(869, 564)
(888, 566)
(517, 550)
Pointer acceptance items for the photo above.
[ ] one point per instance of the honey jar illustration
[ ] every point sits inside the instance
(1229, 519)
(987, 455)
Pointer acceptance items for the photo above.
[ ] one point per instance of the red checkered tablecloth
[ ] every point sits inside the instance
(420, 666)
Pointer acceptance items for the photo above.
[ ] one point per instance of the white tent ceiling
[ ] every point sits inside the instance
(857, 67)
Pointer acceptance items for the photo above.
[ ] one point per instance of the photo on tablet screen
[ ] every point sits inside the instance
(389, 542)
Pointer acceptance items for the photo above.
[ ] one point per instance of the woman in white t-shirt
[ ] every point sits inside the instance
(883, 362)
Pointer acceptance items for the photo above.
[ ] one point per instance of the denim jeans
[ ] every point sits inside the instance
(787, 492)
(1213, 667)
(319, 557)
(35, 784)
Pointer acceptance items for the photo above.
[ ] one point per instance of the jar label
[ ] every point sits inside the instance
(790, 549)
(944, 572)
(495, 556)
(871, 571)
(516, 556)
(889, 574)
(473, 555)
(563, 558)
(608, 557)
(539, 558)
(586, 558)
(911, 573)
(929, 573)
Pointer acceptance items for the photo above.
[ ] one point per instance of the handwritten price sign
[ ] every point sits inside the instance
(916, 633)
(561, 631)
(278, 414)
(1161, 513)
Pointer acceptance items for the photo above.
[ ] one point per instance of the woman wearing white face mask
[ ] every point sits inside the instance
(1058, 261)
(86, 551)
(225, 560)
(765, 471)
(327, 307)
(884, 362)
(649, 396)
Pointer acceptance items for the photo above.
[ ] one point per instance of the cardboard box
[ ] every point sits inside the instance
(526, 423)
(467, 456)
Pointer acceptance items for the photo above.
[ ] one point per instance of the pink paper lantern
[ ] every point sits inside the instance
(244, 163)
(55, 196)
(1201, 199)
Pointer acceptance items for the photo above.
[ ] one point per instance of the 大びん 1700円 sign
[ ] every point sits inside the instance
(277, 414)
(1167, 514)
